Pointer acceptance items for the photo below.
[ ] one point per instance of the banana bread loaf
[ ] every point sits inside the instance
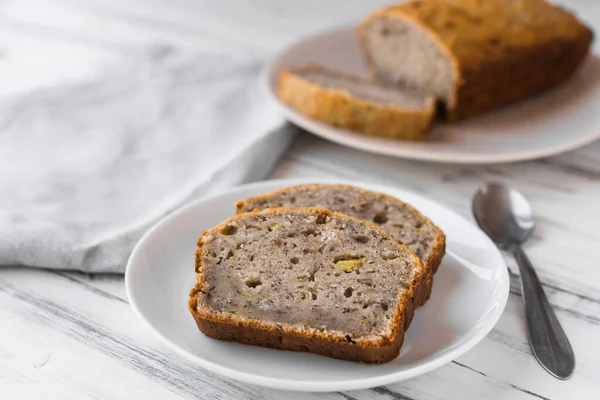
(476, 55)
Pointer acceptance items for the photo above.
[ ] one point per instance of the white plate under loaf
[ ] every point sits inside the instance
(559, 120)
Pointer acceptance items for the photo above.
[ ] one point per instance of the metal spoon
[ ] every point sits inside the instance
(506, 216)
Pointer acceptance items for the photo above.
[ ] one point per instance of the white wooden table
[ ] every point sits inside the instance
(73, 336)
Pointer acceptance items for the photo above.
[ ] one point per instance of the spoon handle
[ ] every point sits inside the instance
(550, 345)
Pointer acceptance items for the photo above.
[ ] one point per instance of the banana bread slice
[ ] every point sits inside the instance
(356, 104)
(305, 279)
(399, 219)
(475, 55)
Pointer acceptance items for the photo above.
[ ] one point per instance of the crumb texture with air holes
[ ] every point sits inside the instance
(400, 220)
(309, 269)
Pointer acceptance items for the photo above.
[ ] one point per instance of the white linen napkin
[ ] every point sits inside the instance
(86, 170)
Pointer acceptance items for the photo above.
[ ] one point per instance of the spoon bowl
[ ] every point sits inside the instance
(504, 214)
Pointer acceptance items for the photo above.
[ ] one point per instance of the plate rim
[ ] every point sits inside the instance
(347, 138)
(305, 385)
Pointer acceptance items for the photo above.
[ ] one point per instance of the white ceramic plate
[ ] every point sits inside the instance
(561, 120)
(469, 294)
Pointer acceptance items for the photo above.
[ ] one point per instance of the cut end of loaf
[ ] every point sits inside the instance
(400, 52)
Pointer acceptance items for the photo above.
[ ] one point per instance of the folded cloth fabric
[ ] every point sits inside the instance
(86, 170)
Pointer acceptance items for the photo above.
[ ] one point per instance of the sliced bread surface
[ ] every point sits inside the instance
(305, 279)
(475, 55)
(402, 221)
(356, 104)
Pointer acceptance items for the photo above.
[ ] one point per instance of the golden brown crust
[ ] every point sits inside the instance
(439, 250)
(502, 51)
(287, 337)
(339, 108)
(424, 287)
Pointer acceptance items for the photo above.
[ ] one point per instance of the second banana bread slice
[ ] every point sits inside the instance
(400, 220)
